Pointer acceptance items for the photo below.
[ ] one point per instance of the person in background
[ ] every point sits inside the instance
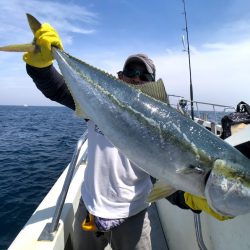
(114, 191)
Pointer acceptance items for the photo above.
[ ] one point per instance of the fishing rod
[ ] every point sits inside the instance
(197, 221)
(189, 60)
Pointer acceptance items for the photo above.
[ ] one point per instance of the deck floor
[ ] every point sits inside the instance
(158, 239)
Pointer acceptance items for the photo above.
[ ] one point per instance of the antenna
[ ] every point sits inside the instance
(189, 60)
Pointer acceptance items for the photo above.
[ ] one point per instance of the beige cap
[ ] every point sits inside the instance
(141, 58)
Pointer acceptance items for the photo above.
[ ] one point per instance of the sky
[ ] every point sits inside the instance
(105, 33)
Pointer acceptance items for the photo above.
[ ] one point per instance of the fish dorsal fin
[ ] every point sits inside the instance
(154, 89)
(160, 190)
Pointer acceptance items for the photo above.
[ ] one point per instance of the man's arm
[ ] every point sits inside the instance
(195, 203)
(39, 66)
(51, 84)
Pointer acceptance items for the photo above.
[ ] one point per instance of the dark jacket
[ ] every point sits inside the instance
(51, 84)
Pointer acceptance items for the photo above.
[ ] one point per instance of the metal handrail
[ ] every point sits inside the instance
(66, 184)
(213, 105)
(197, 223)
(198, 232)
(50, 228)
(207, 103)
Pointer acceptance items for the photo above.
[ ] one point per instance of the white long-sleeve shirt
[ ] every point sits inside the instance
(113, 186)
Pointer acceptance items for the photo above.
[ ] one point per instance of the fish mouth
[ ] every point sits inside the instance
(228, 189)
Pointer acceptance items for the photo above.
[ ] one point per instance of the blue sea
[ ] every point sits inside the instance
(36, 144)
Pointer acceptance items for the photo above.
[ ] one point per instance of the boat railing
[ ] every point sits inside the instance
(203, 110)
(183, 105)
(198, 232)
(50, 228)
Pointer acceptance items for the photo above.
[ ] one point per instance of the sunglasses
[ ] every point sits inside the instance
(144, 76)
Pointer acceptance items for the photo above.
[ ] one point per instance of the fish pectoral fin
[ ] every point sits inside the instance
(161, 189)
(189, 169)
(79, 112)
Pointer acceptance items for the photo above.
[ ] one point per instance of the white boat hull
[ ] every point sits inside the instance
(179, 229)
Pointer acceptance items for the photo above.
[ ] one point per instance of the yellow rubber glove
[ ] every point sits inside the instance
(199, 203)
(45, 37)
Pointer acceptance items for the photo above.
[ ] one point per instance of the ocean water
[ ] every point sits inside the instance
(36, 144)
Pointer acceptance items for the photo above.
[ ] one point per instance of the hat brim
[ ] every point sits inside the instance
(138, 59)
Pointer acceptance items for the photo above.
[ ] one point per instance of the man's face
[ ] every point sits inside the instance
(135, 73)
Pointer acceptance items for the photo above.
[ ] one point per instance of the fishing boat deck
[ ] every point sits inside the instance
(158, 239)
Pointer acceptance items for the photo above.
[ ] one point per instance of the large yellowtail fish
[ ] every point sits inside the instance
(157, 138)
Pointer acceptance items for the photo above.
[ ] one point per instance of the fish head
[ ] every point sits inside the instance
(228, 188)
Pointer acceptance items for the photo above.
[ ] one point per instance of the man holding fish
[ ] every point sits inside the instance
(114, 190)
